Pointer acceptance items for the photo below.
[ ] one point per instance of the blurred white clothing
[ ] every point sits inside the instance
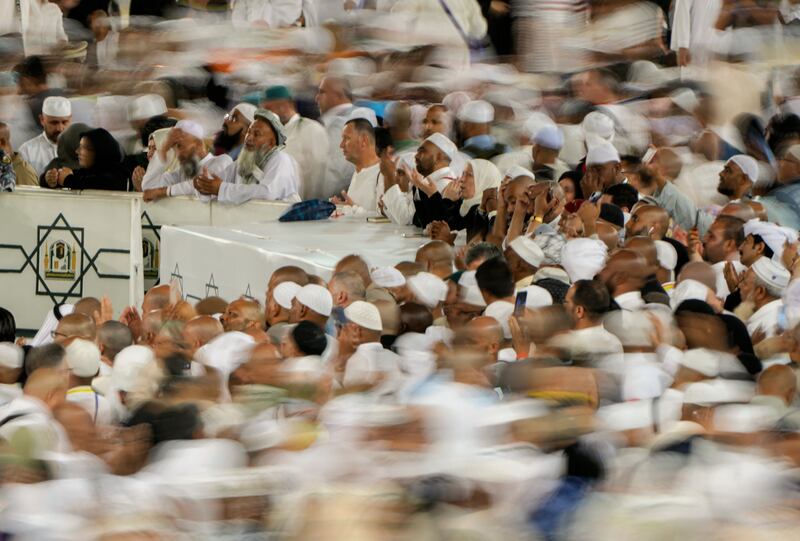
(307, 142)
(337, 170)
(38, 152)
(279, 181)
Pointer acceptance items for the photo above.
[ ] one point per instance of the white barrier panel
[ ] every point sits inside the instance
(249, 213)
(56, 247)
(237, 261)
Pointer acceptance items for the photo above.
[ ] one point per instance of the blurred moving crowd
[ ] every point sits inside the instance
(597, 340)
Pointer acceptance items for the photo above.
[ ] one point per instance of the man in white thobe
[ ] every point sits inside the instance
(56, 117)
(762, 288)
(334, 101)
(187, 140)
(264, 170)
(693, 31)
(306, 139)
(366, 185)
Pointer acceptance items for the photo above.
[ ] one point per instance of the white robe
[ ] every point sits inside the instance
(176, 182)
(372, 362)
(693, 28)
(766, 319)
(337, 170)
(307, 142)
(98, 407)
(279, 181)
(42, 26)
(38, 152)
(366, 188)
(399, 205)
(722, 285)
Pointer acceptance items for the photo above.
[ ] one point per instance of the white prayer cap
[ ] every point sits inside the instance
(685, 98)
(471, 294)
(501, 311)
(633, 329)
(535, 122)
(549, 137)
(744, 418)
(667, 255)
(364, 113)
(602, 152)
(247, 110)
(598, 125)
(428, 288)
(477, 112)
(191, 127)
(583, 258)
(387, 277)
(771, 273)
(528, 250)
(718, 391)
(227, 352)
(454, 101)
(626, 415)
(688, 290)
(747, 164)
(11, 355)
(444, 144)
(702, 360)
(468, 278)
(537, 297)
(774, 235)
(57, 106)
(284, 293)
(83, 358)
(519, 171)
(317, 298)
(146, 107)
(553, 273)
(364, 314)
(128, 365)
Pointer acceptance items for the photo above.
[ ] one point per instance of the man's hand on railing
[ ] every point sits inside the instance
(155, 194)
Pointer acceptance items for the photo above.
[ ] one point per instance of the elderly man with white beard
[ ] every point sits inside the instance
(263, 170)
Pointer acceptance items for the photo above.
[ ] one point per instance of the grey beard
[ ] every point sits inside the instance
(248, 161)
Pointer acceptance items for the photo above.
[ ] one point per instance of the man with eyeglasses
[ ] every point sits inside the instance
(74, 325)
(230, 139)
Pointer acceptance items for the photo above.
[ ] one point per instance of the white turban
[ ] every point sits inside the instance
(583, 258)
(774, 235)
(227, 352)
(747, 164)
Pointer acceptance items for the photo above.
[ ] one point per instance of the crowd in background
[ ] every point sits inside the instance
(598, 337)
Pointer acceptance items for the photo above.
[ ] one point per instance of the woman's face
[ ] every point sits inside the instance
(569, 189)
(468, 183)
(85, 153)
(151, 148)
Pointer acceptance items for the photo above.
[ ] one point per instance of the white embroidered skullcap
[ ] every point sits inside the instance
(284, 293)
(317, 298)
(528, 250)
(247, 110)
(537, 297)
(146, 107)
(667, 255)
(57, 106)
(444, 144)
(747, 164)
(83, 358)
(602, 152)
(364, 314)
(519, 171)
(477, 112)
(387, 277)
(771, 273)
(191, 127)
(428, 288)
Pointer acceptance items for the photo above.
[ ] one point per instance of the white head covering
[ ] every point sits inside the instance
(226, 352)
(83, 358)
(791, 302)
(50, 323)
(774, 235)
(688, 290)
(537, 297)
(549, 136)
(554, 273)
(129, 364)
(771, 273)
(247, 110)
(667, 255)
(146, 107)
(191, 127)
(11, 355)
(519, 171)
(454, 101)
(428, 288)
(387, 277)
(535, 122)
(476, 112)
(159, 138)
(364, 113)
(597, 127)
(364, 314)
(444, 144)
(528, 250)
(486, 176)
(317, 298)
(747, 164)
(602, 152)
(583, 258)
(469, 292)
(632, 328)
(501, 311)
(57, 106)
(284, 293)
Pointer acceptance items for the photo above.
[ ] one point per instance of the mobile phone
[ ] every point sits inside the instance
(649, 155)
(521, 302)
(697, 219)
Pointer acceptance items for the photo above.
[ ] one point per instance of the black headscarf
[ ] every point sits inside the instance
(67, 150)
(107, 172)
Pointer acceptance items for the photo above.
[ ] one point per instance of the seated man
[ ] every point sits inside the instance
(263, 170)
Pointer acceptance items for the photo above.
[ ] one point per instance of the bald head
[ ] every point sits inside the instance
(79, 325)
(409, 268)
(210, 306)
(779, 381)
(200, 331)
(156, 298)
(87, 306)
(437, 258)
(113, 337)
(648, 221)
(152, 322)
(263, 367)
(743, 211)
(397, 118)
(289, 273)
(485, 334)
(668, 163)
(49, 385)
(240, 315)
(624, 272)
(646, 248)
(356, 264)
(346, 287)
(699, 271)
(390, 316)
(333, 91)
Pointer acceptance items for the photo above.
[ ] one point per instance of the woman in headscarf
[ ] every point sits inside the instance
(461, 199)
(66, 151)
(100, 165)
